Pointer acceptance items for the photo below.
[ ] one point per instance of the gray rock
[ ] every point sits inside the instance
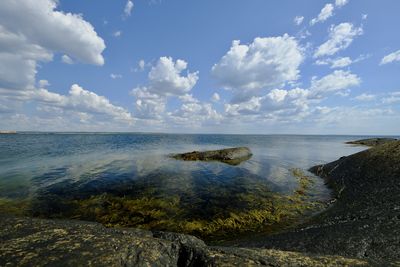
(371, 141)
(364, 219)
(38, 242)
(232, 156)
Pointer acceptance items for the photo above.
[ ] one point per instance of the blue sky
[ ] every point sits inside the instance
(263, 67)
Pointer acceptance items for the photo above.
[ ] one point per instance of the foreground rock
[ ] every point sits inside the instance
(364, 221)
(232, 156)
(36, 242)
(371, 141)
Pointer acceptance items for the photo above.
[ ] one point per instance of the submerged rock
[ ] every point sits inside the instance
(232, 156)
(371, 141)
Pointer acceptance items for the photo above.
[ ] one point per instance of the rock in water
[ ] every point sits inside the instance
(371, 141)
(232, 156)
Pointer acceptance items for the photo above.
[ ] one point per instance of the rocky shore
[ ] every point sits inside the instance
(360, 227)
(371, 141)
(363, 220)
(36, 242)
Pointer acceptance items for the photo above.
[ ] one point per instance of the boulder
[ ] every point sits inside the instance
(232, 156)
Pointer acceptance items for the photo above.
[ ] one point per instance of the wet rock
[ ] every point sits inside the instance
(371, 141)
(232, 156)
(38, 242)
(363, 221)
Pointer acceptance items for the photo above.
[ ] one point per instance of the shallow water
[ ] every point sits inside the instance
(129, 180)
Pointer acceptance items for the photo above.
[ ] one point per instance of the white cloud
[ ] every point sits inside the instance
(334, 82)
(364, 16)
(39, 23)
(188, 98)
(365, 97)
(392, 57)
(341, 62)
(336, 63)
(326, 12)
(115, 76)
(165, 78)
(31, 31)
(149, 105)
(265, 63)
(215, 97)
(195, 115)
(43, 83)
(117, 33)
(83, 101)
(340, 3)
(141, 64)
(392, 98)
(340, 37)
(67, 60)
(298, 20)
(128, 8)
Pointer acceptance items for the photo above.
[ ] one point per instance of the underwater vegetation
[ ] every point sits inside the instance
(205, 208)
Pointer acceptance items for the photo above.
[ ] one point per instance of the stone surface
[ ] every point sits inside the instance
(371, 141)
(364, 219)
(232, 156)
(38, 242)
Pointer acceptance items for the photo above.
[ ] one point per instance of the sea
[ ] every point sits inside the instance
(49, 174)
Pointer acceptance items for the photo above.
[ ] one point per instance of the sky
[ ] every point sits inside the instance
(179, 66)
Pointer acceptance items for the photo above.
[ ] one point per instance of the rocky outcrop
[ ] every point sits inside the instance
(364, 219)
(371, 141)
(37, 242)
(232, 156)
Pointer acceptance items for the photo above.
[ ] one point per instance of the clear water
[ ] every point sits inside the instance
(47, 168)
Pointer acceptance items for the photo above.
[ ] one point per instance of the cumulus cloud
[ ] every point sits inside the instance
(38, 22)
(128, 8)
(294, 103)
(334, 82)
(326, 12)
(31, 31)
(340, 37)
(164, 79)
(298, 20)
(265, 63)
(83, 101)
(392, 57)
(195, 114)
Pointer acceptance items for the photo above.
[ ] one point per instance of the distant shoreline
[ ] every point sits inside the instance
(8, 132)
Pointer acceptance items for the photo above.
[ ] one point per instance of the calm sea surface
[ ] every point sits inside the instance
(45, 169)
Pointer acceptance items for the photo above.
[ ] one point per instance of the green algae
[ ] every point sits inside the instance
(207, 208)
(14, 206)
(231, 213)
